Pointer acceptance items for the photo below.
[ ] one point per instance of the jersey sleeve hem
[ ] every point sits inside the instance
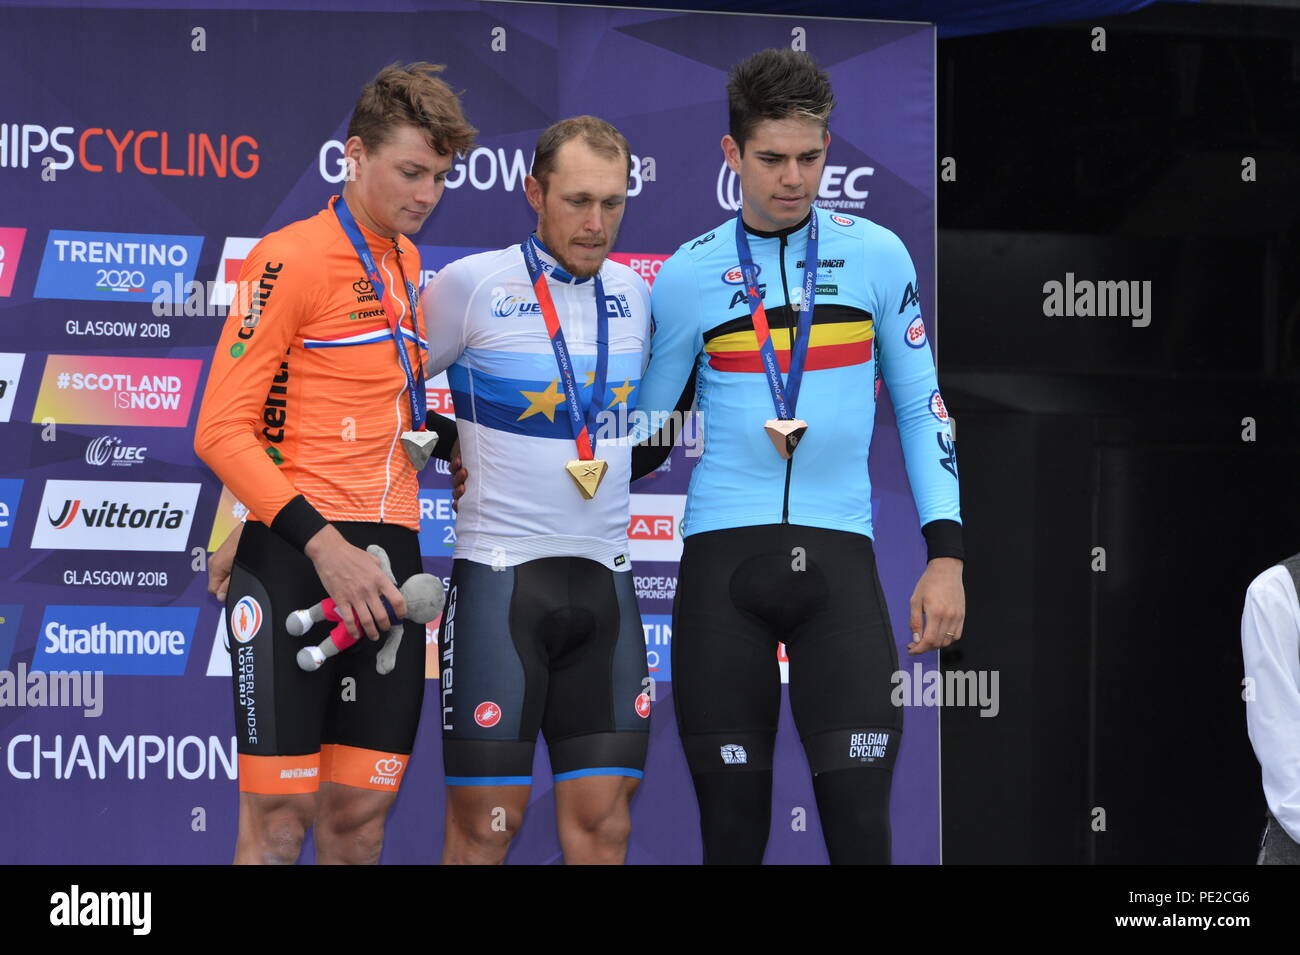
(298, 522)
(943, 539)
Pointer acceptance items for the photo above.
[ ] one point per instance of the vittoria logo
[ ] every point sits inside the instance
(111, 515)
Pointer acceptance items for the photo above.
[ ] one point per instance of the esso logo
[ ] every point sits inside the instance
(841, 220)
(736, 275)
(643, 706)
(937, 407)
(246, 619)
(487, 714)
(916, 333)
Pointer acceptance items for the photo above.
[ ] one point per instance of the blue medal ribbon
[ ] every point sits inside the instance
(414, 381)
(785, 395)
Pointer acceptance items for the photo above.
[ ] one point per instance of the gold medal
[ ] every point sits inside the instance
(786, 433)
(587, 475)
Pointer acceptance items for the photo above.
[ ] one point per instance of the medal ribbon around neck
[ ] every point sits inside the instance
(583, 424)
(785, 395)
(414, 382)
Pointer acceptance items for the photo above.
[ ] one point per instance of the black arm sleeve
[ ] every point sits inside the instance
(943, 539)
(654, 450)
(445, 428)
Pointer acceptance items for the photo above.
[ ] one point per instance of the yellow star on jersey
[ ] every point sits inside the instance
(591, 379)
(621, 394)
(543, 402)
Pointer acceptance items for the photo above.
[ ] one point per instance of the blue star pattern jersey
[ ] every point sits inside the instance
(486, 330)
(866, 326)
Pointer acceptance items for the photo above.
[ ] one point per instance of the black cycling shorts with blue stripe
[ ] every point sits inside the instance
(553, 644)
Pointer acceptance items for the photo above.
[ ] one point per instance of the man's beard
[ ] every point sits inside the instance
(578, 273)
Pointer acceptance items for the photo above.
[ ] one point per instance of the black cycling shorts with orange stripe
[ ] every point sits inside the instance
(344, 723)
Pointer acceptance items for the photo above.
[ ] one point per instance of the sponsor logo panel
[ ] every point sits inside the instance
(644, 264)
(437, 522)
(114, 266)
(658, 645)
(233, 252)
(115, 515)
(153, 641)
(11, 248)
(11, 492)
(654, 527)
(91, 389)
(10, 616)
(11, 371)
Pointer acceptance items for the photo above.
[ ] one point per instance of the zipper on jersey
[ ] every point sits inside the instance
(794, 330)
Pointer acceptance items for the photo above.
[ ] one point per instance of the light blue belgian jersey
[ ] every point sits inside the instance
(866, 327)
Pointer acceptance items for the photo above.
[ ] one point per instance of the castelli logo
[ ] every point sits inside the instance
(643, 706)
(487, 714)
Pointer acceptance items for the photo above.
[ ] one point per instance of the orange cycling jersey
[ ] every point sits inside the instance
(306, 395)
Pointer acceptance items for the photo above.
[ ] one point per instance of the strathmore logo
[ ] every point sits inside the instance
(115, 515)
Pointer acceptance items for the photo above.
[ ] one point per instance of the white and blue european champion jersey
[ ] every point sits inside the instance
(486, 330)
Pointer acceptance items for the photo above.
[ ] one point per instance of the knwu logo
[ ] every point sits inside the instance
(840, 188)
(387, 772)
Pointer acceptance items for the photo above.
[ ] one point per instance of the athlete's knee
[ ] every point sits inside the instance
(278, 831)
(352, 831)
(483, 825)
(608, 823)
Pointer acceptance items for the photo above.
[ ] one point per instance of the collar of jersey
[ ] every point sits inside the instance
(790, 230)
(557, 271)
(373, 239)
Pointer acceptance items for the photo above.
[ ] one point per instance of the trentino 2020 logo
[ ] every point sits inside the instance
(437, 522)
(115, 515)
(119, 641)
(115, 266)
(658, 629)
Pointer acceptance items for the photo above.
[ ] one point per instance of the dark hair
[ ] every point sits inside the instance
(603, 139)
(411, 95)
(776, 84)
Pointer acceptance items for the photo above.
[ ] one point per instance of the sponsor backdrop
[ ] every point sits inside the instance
(131, 196)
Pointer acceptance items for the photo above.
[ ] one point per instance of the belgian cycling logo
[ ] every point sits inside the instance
(109, 448)
(246, 619)
(734, 755)
(937, 407)
(503, 305)
(116, 266)
(387, 772)
(736, 275)
(642, 706)
(487, 714)
(915, 335)
(841, 220)
(868, 747)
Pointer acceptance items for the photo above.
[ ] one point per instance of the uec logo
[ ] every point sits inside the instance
(838, 182)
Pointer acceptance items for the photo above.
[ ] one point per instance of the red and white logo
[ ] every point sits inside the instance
(487, 714)
(841, 220)
(916, 332)
(233, 253)
(246, 619)
(654, 527)
(643, 706)
(11, 247)
(937, 408)
(644, 264)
